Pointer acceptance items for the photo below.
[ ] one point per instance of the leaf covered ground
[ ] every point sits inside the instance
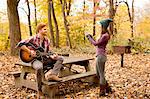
(131, 81)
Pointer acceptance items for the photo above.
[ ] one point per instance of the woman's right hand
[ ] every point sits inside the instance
(33, 53)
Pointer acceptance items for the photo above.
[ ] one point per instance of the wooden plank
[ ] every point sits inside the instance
(29, 84)
(67, 60)
(28, 69)
(66, 72)
(86, 74)
(23, 64)
(16, 73)
(25, 83)
(50, 91)
(33, 85)
(17, 82)
(122, 60)
(72, 77)
(122, 49)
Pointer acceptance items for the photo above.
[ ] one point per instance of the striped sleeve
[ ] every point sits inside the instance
(25, 42)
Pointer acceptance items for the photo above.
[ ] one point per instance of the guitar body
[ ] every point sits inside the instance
(25, 56)
(40, 54)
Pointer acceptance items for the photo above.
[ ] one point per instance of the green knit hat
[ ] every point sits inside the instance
(105, 23)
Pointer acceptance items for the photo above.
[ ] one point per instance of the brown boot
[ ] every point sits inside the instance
(105, 89)
(108, 88)
(48, 75)
(102, 90)
(53, 77)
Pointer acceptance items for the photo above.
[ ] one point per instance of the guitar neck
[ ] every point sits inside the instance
(43, 53)
(32, 45)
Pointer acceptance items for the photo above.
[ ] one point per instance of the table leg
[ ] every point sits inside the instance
(87, 66)
(122, 60)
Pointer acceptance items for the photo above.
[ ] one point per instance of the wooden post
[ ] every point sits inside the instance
(122, 60)
(50, 91)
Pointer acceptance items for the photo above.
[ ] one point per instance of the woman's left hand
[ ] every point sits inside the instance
(86, 33)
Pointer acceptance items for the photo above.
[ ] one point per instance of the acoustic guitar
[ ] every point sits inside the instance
(26, 57)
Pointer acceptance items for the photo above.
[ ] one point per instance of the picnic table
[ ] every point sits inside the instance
(67, 74)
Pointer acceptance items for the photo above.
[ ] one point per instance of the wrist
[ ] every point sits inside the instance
(88, 36)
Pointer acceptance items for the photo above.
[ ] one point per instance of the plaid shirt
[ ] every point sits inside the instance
(35, 40)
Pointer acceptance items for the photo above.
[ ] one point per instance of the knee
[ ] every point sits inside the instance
(60, 58)
(37, 65)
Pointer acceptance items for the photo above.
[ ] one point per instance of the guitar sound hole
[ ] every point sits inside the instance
(29, 55)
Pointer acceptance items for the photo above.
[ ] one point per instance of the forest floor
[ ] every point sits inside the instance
(130, 81)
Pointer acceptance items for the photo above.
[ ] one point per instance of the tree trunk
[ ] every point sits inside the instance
(68, 8)
(29, 21)
(56, 26)
(111, 15)
(35, 12)
(94, 16)
(132, 22)
(14, 25)
(68, 41)
(84, 18)
(50, 22)
(115, 10)
(131, 16)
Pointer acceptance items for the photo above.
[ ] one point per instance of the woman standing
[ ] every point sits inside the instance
(101, 55)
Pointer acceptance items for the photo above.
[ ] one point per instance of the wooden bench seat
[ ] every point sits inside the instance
(72, 77)
(67, 78)
(51, 88)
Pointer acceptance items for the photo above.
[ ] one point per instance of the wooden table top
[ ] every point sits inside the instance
(67, 60)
